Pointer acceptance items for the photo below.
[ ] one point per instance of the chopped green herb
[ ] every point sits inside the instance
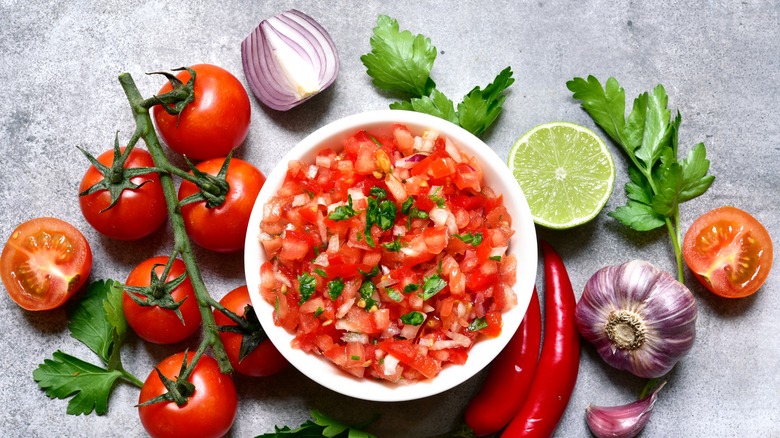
(393, 246)
(472, 239)
(437, 198)
(432, 285)
(319, 311)
(343, 212)
(478, 324)
(372, 273)
(496, 258)
(354, 357)
(307, 286)
(378, 192)
(414, 213)
(411, 287)
(407, 205)
(366, 292)
(412, 318)
(321, 273)
(394, 295)
(335, 287)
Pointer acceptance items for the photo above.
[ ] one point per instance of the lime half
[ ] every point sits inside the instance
(565, 171)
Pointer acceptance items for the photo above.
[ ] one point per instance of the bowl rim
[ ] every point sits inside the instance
(482, 352)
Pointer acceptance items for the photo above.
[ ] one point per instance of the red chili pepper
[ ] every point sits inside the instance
(559, 360)
(509, 378)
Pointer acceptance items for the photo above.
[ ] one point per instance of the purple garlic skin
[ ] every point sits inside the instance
(639, 318)
(621, 421)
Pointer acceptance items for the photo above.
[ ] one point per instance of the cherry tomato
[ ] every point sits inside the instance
(223, 228)
(156, 324)
(44, 262)
(729, 251)
(214, 123)
(209, 412)
(265, 359)
(138, 213)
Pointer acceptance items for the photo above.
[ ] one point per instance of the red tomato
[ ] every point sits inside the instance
(223, 228)
(209, 412)
(138, 212)
(265, 359)
(729, 251)
(156, 324)
(214, 123)
(44, 262)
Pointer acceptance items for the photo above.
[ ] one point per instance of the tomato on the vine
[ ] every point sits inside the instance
(210, 409)
(137, 213)
(156, 324)
(223, 228)
(265, 359)
(214, 123)
(729, 251)
(44, 262)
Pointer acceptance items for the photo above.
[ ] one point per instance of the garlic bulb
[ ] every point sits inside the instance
(621, 421)
(640, 318)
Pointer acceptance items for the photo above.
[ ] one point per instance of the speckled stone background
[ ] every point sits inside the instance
(718, 60)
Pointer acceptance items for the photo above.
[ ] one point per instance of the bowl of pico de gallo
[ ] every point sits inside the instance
(390, 256)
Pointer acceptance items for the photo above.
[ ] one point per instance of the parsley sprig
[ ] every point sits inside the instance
(659, 183)
(99, 323)
(321, 425)
(401, 63)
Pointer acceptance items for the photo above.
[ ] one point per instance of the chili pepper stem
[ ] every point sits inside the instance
(145, 130)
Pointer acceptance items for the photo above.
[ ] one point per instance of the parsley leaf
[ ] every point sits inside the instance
(400, 62)
(321, 425)
(658, 182)
(437, 104)
(432, 285)
(98, 322)
(480, 108)
(66, 376)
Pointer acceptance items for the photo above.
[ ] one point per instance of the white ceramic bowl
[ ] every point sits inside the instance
(522, 245)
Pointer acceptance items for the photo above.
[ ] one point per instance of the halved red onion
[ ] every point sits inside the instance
(288, 59)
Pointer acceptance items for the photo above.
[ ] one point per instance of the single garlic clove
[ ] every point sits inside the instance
(621, 421)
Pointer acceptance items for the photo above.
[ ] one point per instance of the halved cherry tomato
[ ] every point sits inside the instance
(44, 262)
(729, 251)
(214, 123)
(265, 359)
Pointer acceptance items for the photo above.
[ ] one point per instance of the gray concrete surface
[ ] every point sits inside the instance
(718, 60)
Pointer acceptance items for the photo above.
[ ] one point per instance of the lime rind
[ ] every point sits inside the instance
(565, 171)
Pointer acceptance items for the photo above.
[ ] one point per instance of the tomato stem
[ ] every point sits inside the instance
(145, 130)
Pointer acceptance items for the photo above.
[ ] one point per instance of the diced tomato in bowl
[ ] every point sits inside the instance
(401, 272)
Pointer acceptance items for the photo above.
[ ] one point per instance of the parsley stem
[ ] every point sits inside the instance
(673, 225)
(130, 377)
(145, 130)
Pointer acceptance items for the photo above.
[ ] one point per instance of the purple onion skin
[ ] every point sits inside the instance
(661, 309)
